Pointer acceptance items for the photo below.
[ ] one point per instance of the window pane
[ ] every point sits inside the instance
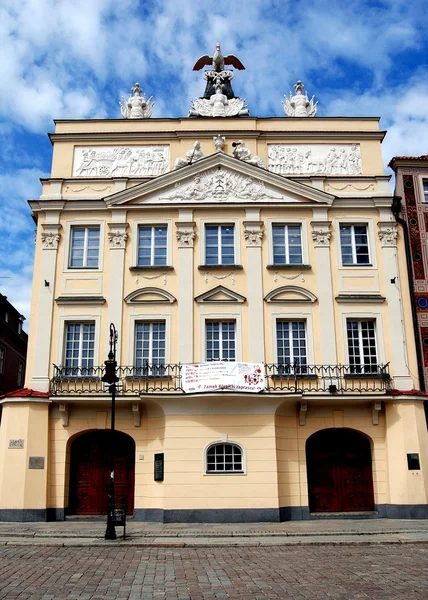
(223, 458)
(150, 345)
(84, 247)
(287, 244)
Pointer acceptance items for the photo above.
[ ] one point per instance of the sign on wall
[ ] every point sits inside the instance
(120, 161)
(16, 444)
(216, 376)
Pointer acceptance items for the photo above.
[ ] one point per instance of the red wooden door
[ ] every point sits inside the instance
(90, 472)
(339, 471)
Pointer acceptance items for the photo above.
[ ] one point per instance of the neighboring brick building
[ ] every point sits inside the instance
(411, 185)
(13, 347)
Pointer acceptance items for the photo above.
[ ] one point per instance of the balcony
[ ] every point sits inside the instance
(160, 379)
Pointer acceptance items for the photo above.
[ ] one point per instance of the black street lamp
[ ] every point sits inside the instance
(111, 378)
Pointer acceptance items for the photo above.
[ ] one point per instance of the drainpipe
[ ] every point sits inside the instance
(396, 210)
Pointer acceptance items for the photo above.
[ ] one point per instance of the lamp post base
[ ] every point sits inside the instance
(110, 533)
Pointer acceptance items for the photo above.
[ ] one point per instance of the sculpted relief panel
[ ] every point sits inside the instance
(317, 159)
(120, 161)
(220, 185)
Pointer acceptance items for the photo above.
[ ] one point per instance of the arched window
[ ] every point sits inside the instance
(224, 458)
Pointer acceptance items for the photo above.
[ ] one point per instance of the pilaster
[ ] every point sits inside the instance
(117, 236)
(253, 234)
(185, 235)
(321, 236)
(50, 237)
(399, 365)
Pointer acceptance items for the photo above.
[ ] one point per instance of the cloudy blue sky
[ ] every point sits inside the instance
(76, 58)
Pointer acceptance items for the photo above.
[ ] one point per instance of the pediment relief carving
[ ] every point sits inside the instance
(220, 294)
(150, 295)
(290, 293)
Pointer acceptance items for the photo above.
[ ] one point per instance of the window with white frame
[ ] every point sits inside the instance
(224, 458)
(287, 244)
(354, 244)
(291, 347)
(2, 359)
(84, 247)
(425, 187)
(152, 246)
(20, 375)
(150, 347)
(219, 244)
(79, 349)
(362, 349)
(220, 340)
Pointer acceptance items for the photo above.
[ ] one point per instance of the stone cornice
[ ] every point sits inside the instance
(165, 136)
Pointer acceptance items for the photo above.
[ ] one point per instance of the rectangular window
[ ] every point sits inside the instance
(354, 245)
(287, 244)
(362, 346)
(221, 340)
(79, 348)
(219, 245)
(150, 343)
(291, 346)
(2, 359)
(425, 186)
(152, 246)
(84, 247)
(20, 376)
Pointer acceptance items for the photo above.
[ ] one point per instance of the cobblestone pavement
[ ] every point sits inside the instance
(340, 572)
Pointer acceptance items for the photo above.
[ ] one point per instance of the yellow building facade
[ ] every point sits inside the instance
(264, 258)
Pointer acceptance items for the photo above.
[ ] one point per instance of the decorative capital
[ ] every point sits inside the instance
(50, 236)
(117, 235)
(253, 233)
(185, 234)
(388, 234)
(321, 234)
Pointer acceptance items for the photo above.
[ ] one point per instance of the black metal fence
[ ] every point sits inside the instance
(331, 379)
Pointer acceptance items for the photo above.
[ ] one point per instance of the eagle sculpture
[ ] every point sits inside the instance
(218, 61)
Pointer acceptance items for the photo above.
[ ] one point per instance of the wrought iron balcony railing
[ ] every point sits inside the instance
(279, 378)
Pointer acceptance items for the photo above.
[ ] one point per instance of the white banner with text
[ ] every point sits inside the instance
(217, 376)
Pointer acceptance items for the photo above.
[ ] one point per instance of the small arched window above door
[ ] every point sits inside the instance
(224, 457)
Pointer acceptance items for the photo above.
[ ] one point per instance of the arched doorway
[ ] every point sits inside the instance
(339, 467)
(90, 471)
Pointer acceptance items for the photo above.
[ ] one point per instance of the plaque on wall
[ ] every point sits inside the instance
(120, 161)
(159, 467)
(36, 462)
(16, 444)
(316, 159)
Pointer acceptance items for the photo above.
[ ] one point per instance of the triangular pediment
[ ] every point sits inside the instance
(290, 293)
(220, 294)
(223, 179)
(150, 295)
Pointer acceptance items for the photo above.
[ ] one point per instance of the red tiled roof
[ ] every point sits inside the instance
(421, 157)
(26, 393)
(413, 392)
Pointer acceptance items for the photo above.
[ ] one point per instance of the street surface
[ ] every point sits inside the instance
(342, 572)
